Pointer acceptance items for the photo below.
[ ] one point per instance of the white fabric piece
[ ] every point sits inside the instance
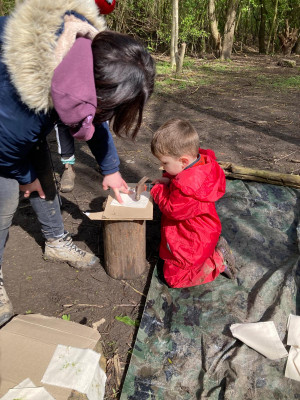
(293, 326)
(129, 200)
(26, 390)
(25, 384)
(292, 369)
(262, 337)
(76, 369)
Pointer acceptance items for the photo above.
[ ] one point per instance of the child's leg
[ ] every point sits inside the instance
(177, 277)
(66, 148)
(223, 248)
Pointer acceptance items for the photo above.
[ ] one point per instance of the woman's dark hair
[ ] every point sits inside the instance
(124, 77)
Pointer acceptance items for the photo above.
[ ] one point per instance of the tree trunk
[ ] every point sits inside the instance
(179, 59)
(174, 33)
(262, 28)
(288, 39)
(124, 248)
(214, 27)
(272, 30)
(297, 47)
(229, 30)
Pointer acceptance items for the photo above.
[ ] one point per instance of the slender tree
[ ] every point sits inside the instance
(174, 33)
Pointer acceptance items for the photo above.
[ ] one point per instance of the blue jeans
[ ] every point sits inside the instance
(47, 211)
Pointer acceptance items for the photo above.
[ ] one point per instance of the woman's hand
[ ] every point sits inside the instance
(34, 186)
(117, 183)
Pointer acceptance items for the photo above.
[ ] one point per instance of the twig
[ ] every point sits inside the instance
(295, 161)
(194, 91)
(182, 80)
(83, 305)
(281, 158)
(142, 294)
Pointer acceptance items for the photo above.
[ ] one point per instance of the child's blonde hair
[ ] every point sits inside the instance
(175, 138)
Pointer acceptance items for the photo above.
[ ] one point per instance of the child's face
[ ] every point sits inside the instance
(172, 165)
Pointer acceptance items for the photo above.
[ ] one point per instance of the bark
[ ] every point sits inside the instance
(297, 47)
(288, 39)
(180, 58)
(124, 248)
(215, 34)
(174, 34)
(272, 29)
(262, 28)
(229, 30)
(275, 178)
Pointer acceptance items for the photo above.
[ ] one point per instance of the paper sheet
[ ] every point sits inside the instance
(129, 200)
(76, 369)
(262, 337)
(26, 390)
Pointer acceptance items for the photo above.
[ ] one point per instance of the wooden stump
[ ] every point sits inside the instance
(124, 248)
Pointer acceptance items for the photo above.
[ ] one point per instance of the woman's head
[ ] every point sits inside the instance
(124, 77)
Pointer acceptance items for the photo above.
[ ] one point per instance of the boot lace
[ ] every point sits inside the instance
(68, 242)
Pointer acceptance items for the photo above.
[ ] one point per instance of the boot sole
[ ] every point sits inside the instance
(74, 265)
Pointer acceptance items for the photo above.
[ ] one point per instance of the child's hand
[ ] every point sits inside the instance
(163, 180)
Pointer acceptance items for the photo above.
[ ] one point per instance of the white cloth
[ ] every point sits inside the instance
(293, 326)
(262, 337)
(292, 369)
(26, 390)
(129, 200)
(76, 369)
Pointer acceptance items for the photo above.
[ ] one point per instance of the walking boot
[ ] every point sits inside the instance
(6, 309)
(223, 248)
(64, 250)
(67, 180)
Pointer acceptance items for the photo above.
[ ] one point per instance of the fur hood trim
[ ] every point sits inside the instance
(29, 44)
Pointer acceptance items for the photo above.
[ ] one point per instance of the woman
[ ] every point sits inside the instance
(57, 61)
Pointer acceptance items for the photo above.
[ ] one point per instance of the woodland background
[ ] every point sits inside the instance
(215, 27)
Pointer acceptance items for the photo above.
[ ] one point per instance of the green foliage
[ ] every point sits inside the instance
(280, 82)
(127, 320)
(66, 317)
(6, 6)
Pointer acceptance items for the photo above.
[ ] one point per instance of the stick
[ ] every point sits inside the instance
(142, 294)
(234, 171)
(182, 80)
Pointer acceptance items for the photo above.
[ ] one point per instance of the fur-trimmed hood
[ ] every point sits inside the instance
(30, 41)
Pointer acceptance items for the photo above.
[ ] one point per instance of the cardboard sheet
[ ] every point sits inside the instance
(27, 344)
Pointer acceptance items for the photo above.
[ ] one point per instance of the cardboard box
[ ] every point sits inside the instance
(27, 344)
(123, 213)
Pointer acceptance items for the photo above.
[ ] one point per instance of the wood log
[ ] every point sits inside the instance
(275, 178)
(124, 248)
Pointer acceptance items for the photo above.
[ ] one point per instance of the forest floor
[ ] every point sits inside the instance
(247, 111)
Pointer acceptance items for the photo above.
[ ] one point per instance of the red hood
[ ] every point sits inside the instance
(206, 182)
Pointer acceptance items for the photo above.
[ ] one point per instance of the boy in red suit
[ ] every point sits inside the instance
(186, 194)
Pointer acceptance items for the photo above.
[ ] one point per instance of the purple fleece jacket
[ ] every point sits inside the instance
(73, 90)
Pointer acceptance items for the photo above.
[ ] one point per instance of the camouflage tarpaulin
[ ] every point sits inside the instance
(184, 347)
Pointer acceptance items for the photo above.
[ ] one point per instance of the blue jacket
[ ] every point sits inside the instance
(21, 127)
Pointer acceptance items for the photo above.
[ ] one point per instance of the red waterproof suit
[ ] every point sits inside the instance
(190, 226)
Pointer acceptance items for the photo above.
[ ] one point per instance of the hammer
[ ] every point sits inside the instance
(140, 187)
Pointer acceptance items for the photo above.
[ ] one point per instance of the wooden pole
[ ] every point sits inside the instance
(124, 248)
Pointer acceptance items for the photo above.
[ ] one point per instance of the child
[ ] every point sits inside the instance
(186, 194)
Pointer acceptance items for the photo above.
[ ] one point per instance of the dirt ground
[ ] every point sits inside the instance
(244, 122)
